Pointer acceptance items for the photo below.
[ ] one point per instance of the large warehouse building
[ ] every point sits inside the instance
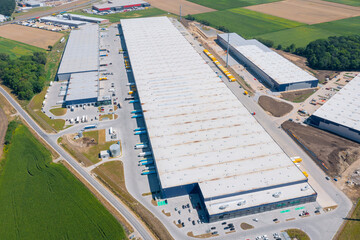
(71, 16)
(279, 73)
(118, 5)
(203, 139)
(62, 21)
(341, 113)
(79, 65)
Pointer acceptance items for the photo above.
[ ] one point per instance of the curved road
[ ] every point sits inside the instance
(101, 189)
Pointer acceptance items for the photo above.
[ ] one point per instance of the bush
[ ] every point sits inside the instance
(266, 42)
(223, 29)
(11, 128)
(190, 17)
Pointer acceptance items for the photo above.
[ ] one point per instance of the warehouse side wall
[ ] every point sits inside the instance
(261, 208)
(338, 129)
(180, 190)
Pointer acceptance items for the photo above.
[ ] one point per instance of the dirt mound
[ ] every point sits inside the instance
(332, 153)
(275, 107)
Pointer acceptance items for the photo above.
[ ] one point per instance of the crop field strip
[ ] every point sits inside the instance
(16, 49)
(303, 35)
(43, 200)
(247, 23)
(227, 4)
(355, 3)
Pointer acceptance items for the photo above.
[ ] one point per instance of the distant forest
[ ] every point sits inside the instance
(7, 7)
(24, 75)
(334, 53)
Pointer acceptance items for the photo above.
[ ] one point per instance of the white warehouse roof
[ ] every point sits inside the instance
(274, 65)
(199, 131)
(63, 21)
(118, 3)
(85, 18)
(82, 50)
(82, 86)
(344, 107)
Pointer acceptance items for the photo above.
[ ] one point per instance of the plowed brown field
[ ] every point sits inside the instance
(173, 6)
(308, 11)
(32, 36)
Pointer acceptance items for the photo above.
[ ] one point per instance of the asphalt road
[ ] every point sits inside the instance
(102, 190)
(50, 11)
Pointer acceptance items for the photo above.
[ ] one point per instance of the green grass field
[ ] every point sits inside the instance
(302, 35)
(347, 2)
(226, 4)
(115, 17)
(247, 23)
(351, 230)
(16, 49)
(43, 200)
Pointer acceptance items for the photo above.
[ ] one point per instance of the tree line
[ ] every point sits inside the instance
(7, 7)
(335, 53)
(24, 75)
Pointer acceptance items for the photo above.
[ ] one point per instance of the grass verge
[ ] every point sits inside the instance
(297, 96)
(351, 230)
(355, 3)
(29, 177)
(35, 105)
(297, 234)
(58, 111)
(111, 174)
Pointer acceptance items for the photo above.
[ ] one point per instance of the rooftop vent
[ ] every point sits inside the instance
(276, 195)
(222, 207)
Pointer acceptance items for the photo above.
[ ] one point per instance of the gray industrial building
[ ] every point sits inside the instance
(82, 89)
(341, 113)
(203, 140)
(80, 64)
(277, 72)
(62, 21)
(71, 16)
(118, 5)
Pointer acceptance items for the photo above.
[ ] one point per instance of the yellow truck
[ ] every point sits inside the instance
(246, 92)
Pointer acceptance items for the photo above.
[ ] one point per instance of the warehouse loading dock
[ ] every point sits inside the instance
(195, 125)
(274, 70)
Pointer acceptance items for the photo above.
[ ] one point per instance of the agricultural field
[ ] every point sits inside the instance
(115, 17)
(310, 12)
(346, 2)
(226, 4)
(43, 200)
(16, 49)
(247, 23)
(173, 6)
(32, 36)
(302, 35)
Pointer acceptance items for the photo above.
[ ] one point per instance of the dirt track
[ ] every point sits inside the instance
(308, 11)
(275, 107)
(173, 6)
(32, 36)
(333, 154)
